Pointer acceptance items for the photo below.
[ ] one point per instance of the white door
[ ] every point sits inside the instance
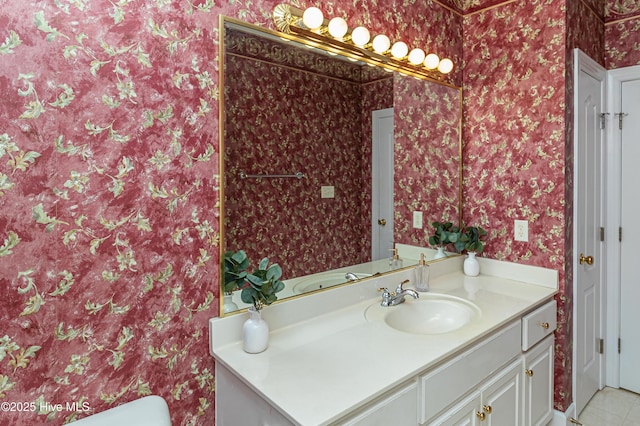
(630, 210)
(587, 249)
(382, 184)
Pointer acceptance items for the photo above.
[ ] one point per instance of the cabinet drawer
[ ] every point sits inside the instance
(449, 383)
(538, 324)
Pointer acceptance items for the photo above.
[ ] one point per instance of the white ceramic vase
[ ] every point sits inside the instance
(471, 267)
(439, 253)
(229, 305)
(255, 333)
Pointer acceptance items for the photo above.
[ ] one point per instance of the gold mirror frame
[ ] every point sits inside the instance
(332, 49)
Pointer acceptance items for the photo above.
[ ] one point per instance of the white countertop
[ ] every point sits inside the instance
(325, 358)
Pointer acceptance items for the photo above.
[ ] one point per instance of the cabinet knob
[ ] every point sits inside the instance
(487, 408)
(382, 222)
(481, 415)
(529, 373)
(544, 325)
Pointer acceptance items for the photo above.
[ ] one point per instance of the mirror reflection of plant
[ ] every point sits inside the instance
(258, 288)
(444, 233)
(470, 239)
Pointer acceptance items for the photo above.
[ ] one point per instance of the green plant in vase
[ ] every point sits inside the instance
(470, 240)
(444, 233)
(259, 288)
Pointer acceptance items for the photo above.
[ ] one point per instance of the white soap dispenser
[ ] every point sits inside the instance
(395, 262)
(422, 275)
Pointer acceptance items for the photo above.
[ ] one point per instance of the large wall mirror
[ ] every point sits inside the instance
(326, 161)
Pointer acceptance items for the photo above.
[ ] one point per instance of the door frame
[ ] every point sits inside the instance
(582, 62)
(614, 200)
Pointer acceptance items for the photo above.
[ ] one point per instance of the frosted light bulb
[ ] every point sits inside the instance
(360, 36)
(399, 49)
(338, 27)
(416, 56)
(381, 43)
(312, 18)
(431, 61)
(445, 66)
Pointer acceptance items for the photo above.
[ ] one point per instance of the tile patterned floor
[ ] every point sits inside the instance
(612, 407)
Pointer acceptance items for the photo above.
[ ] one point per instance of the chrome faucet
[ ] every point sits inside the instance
(350, 276)
(397, 297)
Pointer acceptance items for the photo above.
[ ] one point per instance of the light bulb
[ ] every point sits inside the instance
(399, 49)
(360, 36)
(381, 43)
(445, 66)
(431, 61)
(338, 28)
(312, 18)
(416, 56)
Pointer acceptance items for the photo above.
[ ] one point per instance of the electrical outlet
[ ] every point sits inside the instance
(521, 230)
(327, 192)
(417, 220)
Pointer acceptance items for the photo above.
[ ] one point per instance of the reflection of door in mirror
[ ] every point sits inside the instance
(382, 183)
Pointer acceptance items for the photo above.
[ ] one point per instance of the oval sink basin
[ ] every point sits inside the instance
(323, 281)
(430, 314)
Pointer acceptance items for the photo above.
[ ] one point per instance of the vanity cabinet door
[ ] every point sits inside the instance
(538, 384)
(464, 413)
(396, 408)
(502, 397)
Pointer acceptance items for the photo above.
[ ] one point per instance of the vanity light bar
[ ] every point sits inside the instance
(334, 36)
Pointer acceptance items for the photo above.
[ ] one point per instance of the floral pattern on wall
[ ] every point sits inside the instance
(514, 137)
(108, 231)
(280, 120)
(622, 34)
(427, 130)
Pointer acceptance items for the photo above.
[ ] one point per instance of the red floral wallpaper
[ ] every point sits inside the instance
(622, 33)
(294, 111)
(427, 157)
(108, 179)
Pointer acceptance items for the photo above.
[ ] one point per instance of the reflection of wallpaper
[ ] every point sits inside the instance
(427, 157)
(622, 33)
(280, 121)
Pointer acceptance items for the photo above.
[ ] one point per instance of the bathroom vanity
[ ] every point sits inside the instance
(472, 350)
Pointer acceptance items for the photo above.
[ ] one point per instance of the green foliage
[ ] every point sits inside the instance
(258, 288)
(445, 233)
(470, 239)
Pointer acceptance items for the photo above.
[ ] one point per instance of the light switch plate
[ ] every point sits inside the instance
(417, 220)
(521, 230)
(327, 192)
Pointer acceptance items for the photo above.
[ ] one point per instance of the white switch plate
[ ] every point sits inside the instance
(521, 230)
(417, 220)
(327, 192)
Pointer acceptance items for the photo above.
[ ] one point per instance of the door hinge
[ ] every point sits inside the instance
(620, 233)
(601, 233)
(601, 346)
(620, 115)
(603, 119)
(619, 344)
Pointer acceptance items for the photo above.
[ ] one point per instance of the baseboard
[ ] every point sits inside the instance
(562, 419)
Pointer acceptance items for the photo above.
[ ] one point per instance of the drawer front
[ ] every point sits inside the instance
(538, 324)
(448, 383)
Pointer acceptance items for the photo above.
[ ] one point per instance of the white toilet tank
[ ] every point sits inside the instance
(148, 411)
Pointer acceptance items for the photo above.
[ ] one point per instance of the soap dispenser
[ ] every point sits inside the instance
(422, 275)
(395, 262)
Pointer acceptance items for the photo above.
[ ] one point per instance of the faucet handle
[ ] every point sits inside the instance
(399, 289)
(386, 296)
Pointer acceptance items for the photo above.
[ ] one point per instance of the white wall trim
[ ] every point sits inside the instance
(562, 419)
